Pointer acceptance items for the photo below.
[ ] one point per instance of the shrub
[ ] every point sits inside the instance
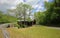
(16, 25)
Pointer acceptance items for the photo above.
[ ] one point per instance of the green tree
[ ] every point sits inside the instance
(52, 12)
(21, 11)
(39, 16)
(51, 15)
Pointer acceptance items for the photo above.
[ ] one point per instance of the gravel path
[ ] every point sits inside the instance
(5, 33)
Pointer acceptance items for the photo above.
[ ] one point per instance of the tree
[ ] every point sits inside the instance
(39, 16)
(57, 11)
(51, 15)
(52, 12)
(49, 11)
(21, 11)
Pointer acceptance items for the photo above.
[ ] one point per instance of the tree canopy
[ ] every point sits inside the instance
(51, 15)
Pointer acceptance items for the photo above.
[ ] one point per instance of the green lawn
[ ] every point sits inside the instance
(34, 32)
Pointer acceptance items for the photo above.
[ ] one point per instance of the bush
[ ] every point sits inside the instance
(23, 26)
(16, 25)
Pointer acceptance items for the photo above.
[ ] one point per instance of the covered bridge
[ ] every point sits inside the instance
(28, 23)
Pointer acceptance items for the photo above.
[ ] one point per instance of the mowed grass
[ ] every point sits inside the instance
(34, 32)
(1, 34)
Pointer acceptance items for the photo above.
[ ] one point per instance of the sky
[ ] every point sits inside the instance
(38, 5)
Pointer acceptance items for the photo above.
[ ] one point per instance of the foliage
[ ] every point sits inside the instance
(23, 26)
(22, 11)
(39, 16)
(16, 25)
(19, 26)
(51, 15)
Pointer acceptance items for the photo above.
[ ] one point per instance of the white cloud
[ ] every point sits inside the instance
(6, 4)
(8, 1)
(34, 6)
(12, 7)
(46, 0)
(10, 4)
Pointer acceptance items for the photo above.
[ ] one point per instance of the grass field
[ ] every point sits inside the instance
(34, 32)
(1, 34)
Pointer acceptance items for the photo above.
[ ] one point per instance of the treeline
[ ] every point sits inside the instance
(51, 15)
(5, 18)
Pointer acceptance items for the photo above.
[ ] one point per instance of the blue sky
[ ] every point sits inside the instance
(38, 5)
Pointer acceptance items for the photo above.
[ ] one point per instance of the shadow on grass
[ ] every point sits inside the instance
(52, 25)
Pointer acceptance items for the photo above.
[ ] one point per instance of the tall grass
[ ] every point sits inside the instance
(34, 32)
